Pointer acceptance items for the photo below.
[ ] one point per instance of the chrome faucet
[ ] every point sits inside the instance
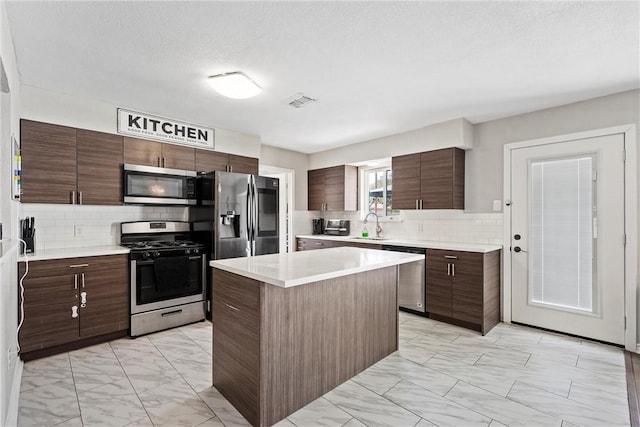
(378, 228)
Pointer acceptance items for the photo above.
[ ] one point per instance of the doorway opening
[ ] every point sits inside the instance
(286, 177)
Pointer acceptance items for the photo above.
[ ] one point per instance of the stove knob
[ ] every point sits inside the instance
(196, 250)
(187, 251)
(146, 255)
(156, 254)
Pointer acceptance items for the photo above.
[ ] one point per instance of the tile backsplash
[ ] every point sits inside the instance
(72, 226)
(438, 225)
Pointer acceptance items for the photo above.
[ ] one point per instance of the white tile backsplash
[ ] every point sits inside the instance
(439, 225)
(73, 226)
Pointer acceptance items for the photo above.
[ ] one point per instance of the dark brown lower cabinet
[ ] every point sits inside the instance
(464, 288)
(55, 319)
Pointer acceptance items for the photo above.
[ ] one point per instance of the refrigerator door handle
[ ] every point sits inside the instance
(248, 217)
(254, 221)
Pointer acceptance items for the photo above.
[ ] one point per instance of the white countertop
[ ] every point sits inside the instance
(299, 268)
(59, 253)
(465, 247)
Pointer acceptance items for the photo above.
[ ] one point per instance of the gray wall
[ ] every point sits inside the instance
(484, 169)
(299, 162)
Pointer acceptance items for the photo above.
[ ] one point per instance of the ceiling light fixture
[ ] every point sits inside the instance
(234, 85)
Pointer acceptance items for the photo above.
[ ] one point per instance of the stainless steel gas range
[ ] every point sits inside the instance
(168, 275)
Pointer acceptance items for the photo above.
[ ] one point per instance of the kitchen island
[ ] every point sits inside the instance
(288, 328)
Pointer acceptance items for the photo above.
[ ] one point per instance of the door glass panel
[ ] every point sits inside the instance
(561, 245)
(267, 212)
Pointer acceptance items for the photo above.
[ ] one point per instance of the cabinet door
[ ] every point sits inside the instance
(142, 152)
(236, 329)
(99, 168)
(49, 295)
(106, 282)
(334, 188)
(242, 164)
(406, 181)
(177, 157)
(48, 163)
(209, 161)
(438, 283)
(315, 185)
(467, 280)
(442, 179)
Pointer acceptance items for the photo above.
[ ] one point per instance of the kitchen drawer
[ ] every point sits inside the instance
(239, 292)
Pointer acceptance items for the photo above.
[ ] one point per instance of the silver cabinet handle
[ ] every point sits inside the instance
(232, 307)
(230, 168)
(159, 161)
(416, 203)
(75, 281)
(78, 265)
(82, 279)
(421, 204)
(448, 269)
(453, 270)
(451, 257)
(79, 197)
(73, 197)
(164, 162)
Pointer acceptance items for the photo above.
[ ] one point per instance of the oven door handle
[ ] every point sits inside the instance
(150, 262)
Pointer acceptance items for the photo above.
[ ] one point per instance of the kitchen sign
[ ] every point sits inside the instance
(148, 126)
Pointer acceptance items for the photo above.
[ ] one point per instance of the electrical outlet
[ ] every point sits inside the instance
(497, 205)
(79, 230)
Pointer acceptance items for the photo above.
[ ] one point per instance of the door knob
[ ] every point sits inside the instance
(518, 249)
(517, 237)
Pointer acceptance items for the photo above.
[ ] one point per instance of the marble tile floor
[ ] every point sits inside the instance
(442, 375)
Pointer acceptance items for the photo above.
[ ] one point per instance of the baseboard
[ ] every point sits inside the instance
(14, 398)
(638, 348)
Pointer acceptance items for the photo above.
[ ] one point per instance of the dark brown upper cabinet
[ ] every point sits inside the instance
(209, 161)
(333, 189)
(152, 153)
(429, 180)
(64, 165)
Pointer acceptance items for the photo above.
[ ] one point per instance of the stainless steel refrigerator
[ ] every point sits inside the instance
(237, 216)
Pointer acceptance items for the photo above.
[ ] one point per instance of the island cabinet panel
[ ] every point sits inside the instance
(48, 163)
(464, 288)
(276, 349)
(100, 161)
(55, 320)
(236, 310)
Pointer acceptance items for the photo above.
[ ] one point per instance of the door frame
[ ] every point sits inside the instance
(285, 204)
(630, 221)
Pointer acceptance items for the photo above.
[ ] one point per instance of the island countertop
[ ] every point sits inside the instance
(302, 267)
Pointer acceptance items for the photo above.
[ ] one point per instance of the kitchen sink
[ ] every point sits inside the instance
(369, 238)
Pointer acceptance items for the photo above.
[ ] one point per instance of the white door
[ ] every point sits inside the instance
(567, 237)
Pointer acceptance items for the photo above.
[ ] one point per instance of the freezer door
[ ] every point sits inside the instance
(232, 216)
(266, 224)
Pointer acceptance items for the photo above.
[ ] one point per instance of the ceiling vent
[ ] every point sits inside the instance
(299, 100)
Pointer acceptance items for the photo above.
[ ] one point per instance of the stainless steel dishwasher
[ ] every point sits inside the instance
(411, 279)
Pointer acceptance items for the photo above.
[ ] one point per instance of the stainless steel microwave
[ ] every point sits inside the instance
(158, 186)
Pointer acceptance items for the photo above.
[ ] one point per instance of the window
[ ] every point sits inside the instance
(378, 191)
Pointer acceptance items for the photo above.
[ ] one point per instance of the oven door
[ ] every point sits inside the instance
(166, 282)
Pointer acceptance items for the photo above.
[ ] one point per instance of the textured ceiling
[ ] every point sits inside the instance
(376, 68)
